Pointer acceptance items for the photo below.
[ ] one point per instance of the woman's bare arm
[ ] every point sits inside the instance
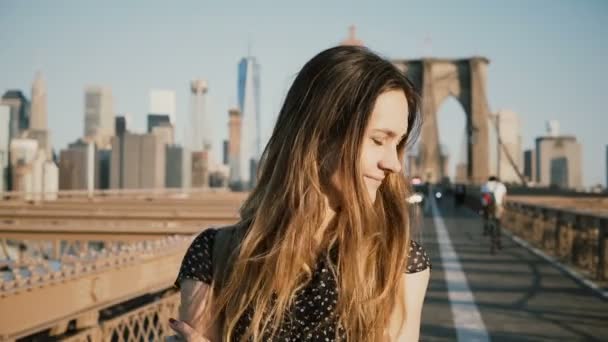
(194, 299)
(406, 326)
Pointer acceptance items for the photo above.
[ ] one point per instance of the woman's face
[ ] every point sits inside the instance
(386, 129)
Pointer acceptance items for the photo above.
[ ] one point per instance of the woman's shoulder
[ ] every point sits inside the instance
(204, 238)
(417, 258)
(202, 244)
(197, 263)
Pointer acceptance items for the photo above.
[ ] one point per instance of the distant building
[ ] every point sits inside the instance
(199, 133)
(352, 37)
(120, 125)
(248, 92)
(165, 133)
(162, 102)
(102, 169)
(559, 173)
(530, 165)
(43, 138)
(218, 177)
(19, 111)
(234, 146)
(34, 175)
(5, 119)
(137, 162)
(50, 182)
(225, 151)
(156, 120)
(38, 118)
(77, 167)
(23, 163)
(99, 115)
(200, 169)
(178, 167)
(509, 126)
(606, 184)
(38, 129)
(152, 161)
(558, 162)
(23, 151)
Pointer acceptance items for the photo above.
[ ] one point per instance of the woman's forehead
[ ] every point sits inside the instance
(390, 113)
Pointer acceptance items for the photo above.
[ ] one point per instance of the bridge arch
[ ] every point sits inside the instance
(465, 80)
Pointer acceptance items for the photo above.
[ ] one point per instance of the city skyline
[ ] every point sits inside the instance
(535, 65)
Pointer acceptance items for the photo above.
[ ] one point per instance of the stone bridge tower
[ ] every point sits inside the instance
(465, 79)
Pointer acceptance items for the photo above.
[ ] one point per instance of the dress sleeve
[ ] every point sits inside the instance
(417, 259)
(197, 263)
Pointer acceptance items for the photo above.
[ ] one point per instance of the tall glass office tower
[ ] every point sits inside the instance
(249, 105)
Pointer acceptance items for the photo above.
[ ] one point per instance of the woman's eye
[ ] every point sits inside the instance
(377, 141)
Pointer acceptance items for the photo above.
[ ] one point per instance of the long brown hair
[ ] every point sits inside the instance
(318, 135)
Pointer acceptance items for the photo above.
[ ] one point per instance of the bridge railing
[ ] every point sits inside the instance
(572, 236)
(116, 292)
(575, 237)
(146, 323)
(127, 193)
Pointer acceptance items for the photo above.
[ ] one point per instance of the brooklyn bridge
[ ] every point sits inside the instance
(102, 267)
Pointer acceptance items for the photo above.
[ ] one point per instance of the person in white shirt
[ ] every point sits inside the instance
(493, 194)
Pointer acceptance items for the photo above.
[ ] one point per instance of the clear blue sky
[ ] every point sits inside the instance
(548, 58)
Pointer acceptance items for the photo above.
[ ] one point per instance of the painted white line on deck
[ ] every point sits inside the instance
(467, 319)
(569, 271)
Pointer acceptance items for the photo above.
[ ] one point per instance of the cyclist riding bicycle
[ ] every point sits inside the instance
(493, 193)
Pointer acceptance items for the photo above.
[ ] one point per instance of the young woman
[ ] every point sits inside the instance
(325, 252)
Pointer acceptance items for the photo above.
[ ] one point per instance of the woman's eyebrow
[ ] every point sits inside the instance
(389, 132)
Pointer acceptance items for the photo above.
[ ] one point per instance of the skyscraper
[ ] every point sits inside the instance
(199, 130)
(19, 111)
(5, 119)
(234, 147)
(249, 105)
(38, 127)
(162, 102)
(38, 118)
(98, 115)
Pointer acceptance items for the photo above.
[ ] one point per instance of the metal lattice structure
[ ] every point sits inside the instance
(98, 269)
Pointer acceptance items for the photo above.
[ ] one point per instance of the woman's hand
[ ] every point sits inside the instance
(186, 332)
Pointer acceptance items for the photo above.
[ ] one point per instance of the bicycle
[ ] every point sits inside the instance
(491, 227)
